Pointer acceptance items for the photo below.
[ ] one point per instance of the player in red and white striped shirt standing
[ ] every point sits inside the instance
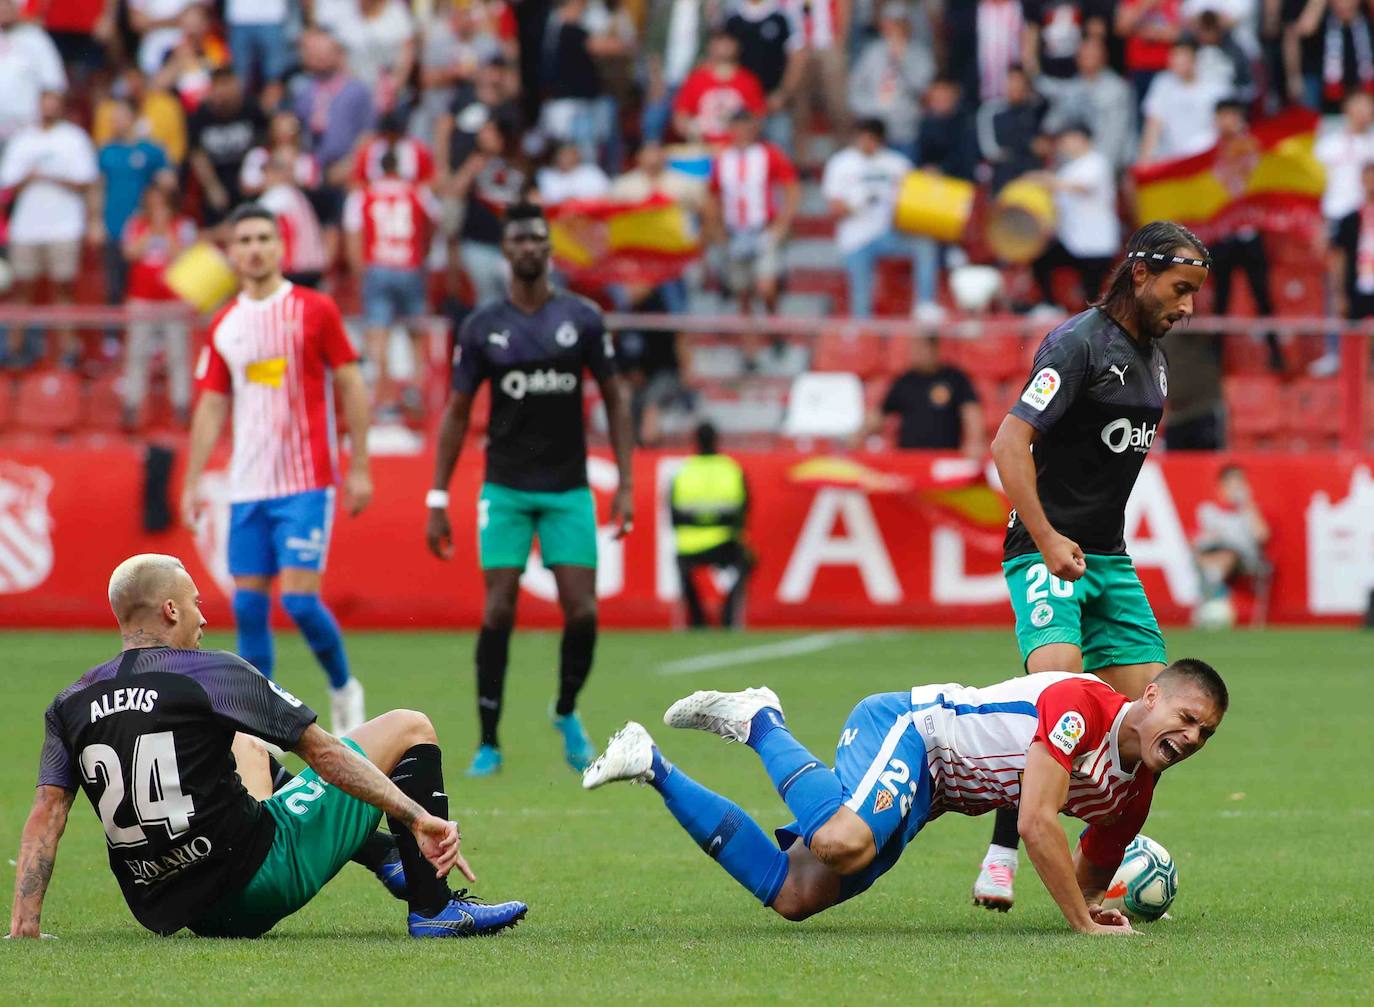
(755, 194)
(275, 355)
(389, 223)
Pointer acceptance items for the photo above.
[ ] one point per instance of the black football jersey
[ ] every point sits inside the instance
(1096, 396)
(147, 736)
(537, 438)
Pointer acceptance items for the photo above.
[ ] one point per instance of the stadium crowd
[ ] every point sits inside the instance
(131, 129)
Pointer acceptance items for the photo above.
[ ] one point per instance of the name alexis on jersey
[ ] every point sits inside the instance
(518, 384)
(1119, 435)
(123, 701)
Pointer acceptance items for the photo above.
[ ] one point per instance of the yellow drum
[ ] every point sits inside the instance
(201, 276)
(934, 205)
(1022, 221)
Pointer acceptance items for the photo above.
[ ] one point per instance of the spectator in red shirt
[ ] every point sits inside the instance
(1150, 28)
(81, 29)
(389, 223)
(152, 240)
(715, 91)
(745, 214)
(414, 160)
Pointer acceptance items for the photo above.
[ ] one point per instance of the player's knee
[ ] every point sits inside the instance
(498, 614)
(796, 904)
(580, 614)
(844, 844)
(412, 728)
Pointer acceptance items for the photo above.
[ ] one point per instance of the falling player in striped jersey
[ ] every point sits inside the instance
(1048, 743)
(276, 353)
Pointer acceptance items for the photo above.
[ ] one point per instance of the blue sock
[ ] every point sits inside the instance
(321, 632)
(811, 790)
(722, 829)
(251, 612)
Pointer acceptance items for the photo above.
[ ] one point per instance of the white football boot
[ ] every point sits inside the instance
(725, 713)
(993, 889)
(346, 713)
(629, 755)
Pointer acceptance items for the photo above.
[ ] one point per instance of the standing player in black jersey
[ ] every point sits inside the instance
(196, 838)
(1068, 454)
(533, 347)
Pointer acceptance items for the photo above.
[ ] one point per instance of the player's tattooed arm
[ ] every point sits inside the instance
(37, 856)
(339, 765)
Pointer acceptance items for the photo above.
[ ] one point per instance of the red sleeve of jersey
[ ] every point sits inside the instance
(1105, 845)
(688, 94)
(751, 91)
(212, 373)
(780, 169)
(361, 162)
(1072, 719)
(424, 164)
(334, 343)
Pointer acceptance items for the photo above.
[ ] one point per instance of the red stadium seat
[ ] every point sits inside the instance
(1254, 405)
(48, 402)
(994, 357)
(857, 353)
(105, 404)
(1312, 411)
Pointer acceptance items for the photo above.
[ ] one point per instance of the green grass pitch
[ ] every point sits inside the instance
(1271, 826)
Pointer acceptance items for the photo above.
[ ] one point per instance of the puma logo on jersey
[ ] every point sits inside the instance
(499, 339)
(1120, 372)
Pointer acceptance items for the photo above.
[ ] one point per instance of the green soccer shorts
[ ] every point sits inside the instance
(1104, 613)
(508, 519)
(319, 828)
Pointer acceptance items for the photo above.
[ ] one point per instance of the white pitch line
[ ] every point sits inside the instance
(810, 644)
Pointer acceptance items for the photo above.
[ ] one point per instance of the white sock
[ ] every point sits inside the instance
(1003, 855)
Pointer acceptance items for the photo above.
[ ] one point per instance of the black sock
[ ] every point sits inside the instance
(374, 851)
(281, 776)
(574, 663)
(1004, 830)
(493, 651)
(420, 776)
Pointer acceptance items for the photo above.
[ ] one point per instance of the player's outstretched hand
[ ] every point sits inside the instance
(1063, 557)
(441, 843)
(623, 511)
(357, 491)
(438, 533)
(1110, 922)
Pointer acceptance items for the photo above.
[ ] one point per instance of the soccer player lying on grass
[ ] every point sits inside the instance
(150, 736)
(1051, 742)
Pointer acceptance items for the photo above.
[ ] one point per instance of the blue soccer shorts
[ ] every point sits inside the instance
(268, 536)
(881, 763)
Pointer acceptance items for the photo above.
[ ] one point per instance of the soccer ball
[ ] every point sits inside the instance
(1146, 882)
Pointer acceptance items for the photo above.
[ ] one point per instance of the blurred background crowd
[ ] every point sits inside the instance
(783, 130)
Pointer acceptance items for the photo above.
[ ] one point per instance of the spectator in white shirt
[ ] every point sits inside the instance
(892, 73)
(29, 65)
(569, 177)
(379, 38)
(158, 25)
(258, 43)
(860, 184)
(1098, 96)
(1343, 153)
(1179, 108)
(1088, 230)
(52, 166)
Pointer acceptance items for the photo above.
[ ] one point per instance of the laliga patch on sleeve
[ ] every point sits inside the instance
(283, 693)
(1043, 387)
(1068, 732)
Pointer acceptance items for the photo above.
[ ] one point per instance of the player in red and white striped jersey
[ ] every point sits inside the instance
(389, 223)
(755, 195)
(304, 255)
(1046, 743)
(276, 353)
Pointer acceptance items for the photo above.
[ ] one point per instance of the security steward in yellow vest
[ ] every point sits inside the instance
(709, 502)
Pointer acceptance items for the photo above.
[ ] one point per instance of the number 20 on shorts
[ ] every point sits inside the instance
(1037, 576)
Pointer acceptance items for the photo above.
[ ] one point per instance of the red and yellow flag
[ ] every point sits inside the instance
(1268, 179)
(598, 241)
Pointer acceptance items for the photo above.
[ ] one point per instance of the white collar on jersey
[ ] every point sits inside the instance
(1113, 737)
(271, 298)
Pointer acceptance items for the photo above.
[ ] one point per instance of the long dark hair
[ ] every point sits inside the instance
(1154, 245)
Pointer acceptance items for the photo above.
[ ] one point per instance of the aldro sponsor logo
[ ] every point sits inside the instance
(1121, 435)
(518, 384)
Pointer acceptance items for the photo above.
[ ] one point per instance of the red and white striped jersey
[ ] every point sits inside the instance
(977, 739)
(396, 219)
(818, 21)
(414, 162)
(999, 45)
(744, 178)
(301, 236)
(274, 358)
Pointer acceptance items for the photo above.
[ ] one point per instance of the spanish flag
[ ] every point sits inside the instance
(1268, 179)
(599, 241)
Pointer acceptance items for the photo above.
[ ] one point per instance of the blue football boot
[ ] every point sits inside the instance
(465, 916)
(577, 747)
(392, 875)
(487, 761)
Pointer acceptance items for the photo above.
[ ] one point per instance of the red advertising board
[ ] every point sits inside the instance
(887, 540)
